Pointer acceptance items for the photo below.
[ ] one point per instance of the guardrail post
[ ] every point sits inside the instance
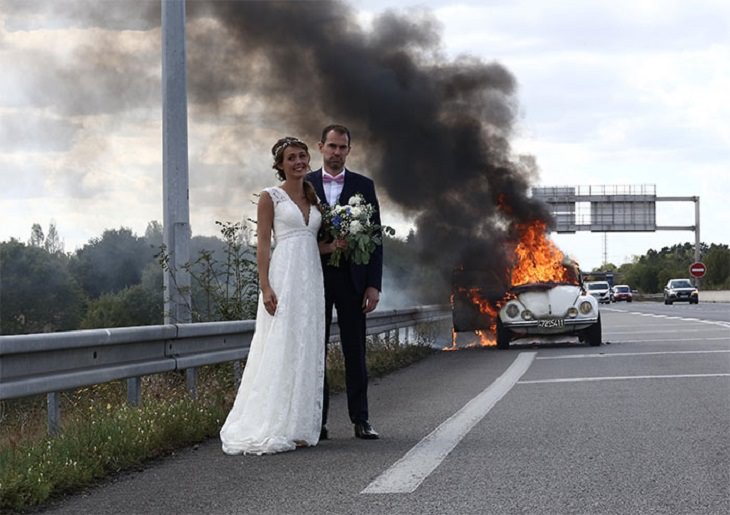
(54, 413)
(237, 373)
(133, 390)
(191, 377)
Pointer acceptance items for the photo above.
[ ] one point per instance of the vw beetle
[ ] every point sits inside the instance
(549, 310)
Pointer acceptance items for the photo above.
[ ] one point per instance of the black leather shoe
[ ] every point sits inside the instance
(365, 431)
(323, 434)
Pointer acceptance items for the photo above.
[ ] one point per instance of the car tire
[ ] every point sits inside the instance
(593, 333)
(503, 336)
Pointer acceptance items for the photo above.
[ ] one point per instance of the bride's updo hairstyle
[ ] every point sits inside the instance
(278, 152)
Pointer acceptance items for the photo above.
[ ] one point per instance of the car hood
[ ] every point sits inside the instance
(684, 289)
(543, 301)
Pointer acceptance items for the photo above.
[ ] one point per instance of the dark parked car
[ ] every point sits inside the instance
(680, 290)
(622, 292)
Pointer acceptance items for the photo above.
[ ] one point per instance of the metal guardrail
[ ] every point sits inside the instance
(53, 362)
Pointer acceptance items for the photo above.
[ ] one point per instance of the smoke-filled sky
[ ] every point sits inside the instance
(450, 103)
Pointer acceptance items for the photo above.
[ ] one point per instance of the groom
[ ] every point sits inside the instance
(354, 290)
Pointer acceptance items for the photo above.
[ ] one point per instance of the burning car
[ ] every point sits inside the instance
(548, 310)
(543, 295)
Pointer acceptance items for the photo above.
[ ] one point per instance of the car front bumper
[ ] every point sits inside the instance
(570, 326)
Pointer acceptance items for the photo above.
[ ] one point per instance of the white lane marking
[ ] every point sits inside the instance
(406, 474)
(623, 354)
(617, 340)
(619, 378)
(684, 329)
(675, 317)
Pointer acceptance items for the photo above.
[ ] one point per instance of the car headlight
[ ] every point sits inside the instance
(585, 307)
(527, 315)
(512, 310)
(572, 312)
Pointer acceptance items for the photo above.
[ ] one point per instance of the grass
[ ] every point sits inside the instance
(102, 435)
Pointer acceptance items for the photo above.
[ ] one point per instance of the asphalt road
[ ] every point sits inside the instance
(640, 424)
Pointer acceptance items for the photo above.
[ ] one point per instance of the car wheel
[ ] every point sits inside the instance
(593, 333)
(503, 336)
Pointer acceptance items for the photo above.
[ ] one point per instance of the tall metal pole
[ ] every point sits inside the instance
(176, 211)
(697, 228)
(697, 237)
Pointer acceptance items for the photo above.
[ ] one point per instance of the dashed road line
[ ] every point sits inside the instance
(674, 317)
(620, 378)
(624, 354)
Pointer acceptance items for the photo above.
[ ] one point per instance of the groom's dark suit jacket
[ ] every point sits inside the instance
(371, 274)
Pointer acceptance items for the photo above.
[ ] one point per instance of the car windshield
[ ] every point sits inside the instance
(622, 289)
(597, 286)
(684, 283)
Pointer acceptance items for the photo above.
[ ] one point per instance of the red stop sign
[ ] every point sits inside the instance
(697, 269)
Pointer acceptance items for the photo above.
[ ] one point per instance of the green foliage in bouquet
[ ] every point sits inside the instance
(354, 224)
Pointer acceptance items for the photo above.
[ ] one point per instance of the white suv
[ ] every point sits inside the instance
(601, 290)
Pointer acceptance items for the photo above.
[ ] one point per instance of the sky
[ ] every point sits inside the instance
(624, 93)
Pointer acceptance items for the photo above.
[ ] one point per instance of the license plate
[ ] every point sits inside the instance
(552, 323)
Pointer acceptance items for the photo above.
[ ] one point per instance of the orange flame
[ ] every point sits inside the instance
(537, 259)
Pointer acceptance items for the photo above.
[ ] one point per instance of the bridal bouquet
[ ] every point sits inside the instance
(353, 223)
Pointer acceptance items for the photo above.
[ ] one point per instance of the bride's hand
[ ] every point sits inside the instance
(270, 301)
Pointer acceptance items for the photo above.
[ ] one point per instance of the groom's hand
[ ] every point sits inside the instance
(370, 299)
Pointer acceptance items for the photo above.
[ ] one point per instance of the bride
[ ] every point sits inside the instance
(279, 402)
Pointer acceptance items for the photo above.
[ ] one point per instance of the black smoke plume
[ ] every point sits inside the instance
(433, 132)
(436, 131)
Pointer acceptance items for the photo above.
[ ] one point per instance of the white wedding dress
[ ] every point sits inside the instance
(279, 402)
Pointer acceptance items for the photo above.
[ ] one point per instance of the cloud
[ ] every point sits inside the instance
(34, 131)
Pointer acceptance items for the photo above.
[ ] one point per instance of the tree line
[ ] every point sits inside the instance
(116, 280)
(650, 272)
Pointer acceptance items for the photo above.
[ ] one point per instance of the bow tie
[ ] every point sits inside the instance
(339, 178)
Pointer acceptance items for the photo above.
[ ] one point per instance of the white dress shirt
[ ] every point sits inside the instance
(332, 190)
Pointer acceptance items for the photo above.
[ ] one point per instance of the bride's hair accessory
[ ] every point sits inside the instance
(283, 143)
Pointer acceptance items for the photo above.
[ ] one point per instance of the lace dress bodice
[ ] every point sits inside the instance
(289, 221)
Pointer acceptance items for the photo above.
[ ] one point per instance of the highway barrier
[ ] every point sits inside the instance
(50, 363)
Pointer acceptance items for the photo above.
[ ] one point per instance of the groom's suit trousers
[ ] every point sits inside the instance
(340, 293)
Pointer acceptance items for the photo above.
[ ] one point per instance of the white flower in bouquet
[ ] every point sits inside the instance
(355, 227)
(353, 223)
